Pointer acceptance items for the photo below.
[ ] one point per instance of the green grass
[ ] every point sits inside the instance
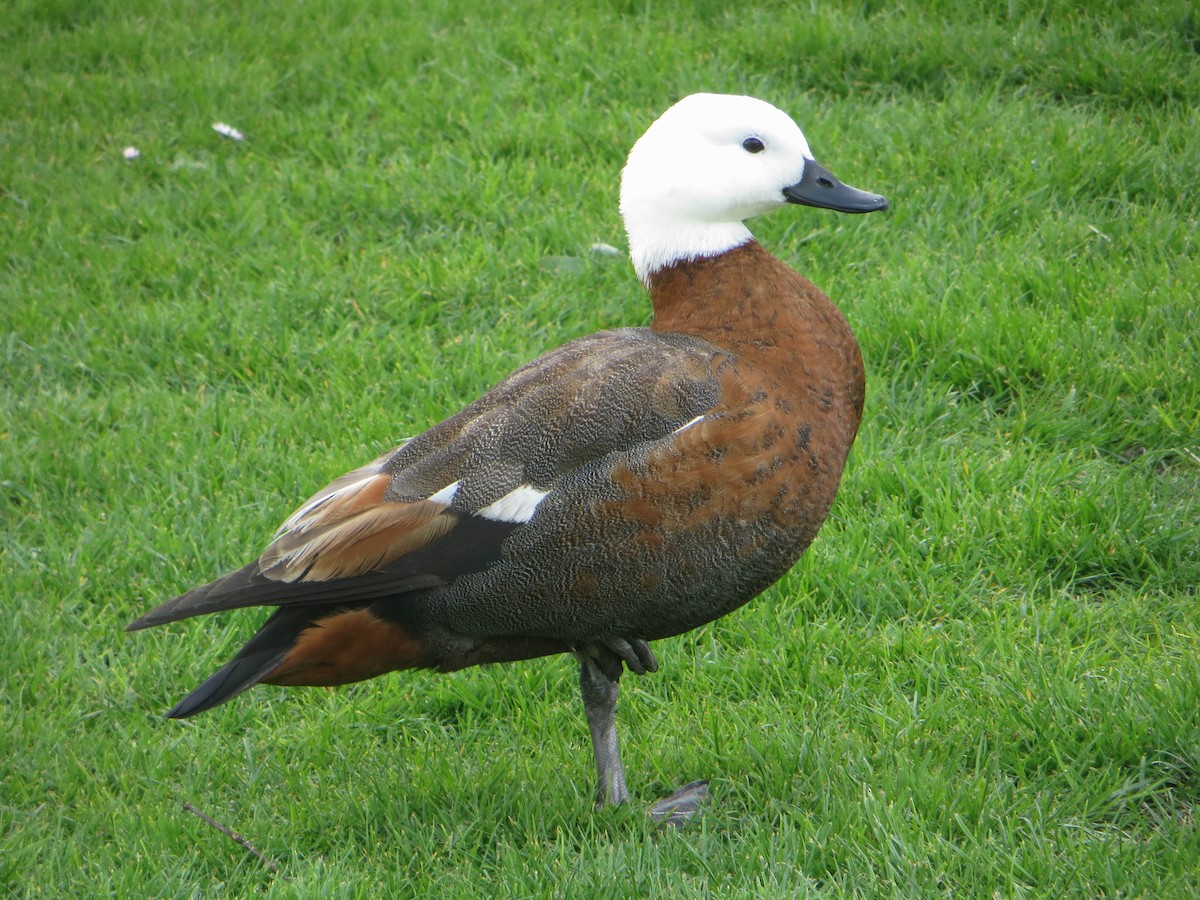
(984, 678)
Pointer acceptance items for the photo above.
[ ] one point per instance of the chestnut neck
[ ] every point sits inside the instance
(742, 296)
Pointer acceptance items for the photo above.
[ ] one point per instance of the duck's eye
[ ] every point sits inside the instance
(753, 145)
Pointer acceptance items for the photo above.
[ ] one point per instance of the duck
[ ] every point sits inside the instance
(631, 485)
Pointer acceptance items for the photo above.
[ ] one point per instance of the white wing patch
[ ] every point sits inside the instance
(445, 495)
(515, 506)
(686, 425)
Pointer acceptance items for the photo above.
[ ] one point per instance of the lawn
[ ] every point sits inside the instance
(983, 680)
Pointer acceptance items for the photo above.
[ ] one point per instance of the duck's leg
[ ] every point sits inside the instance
(600, 703)
(599, 682)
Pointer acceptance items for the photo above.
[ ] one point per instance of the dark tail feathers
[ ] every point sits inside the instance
(236, 676)
(254, 662)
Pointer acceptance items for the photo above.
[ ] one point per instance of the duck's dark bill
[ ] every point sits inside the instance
(819, 188)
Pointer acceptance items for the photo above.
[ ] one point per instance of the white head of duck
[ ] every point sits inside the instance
(706, 165)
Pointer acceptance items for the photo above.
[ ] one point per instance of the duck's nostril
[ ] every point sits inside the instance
(825, 182)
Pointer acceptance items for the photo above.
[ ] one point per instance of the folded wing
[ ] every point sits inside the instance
(442, 504)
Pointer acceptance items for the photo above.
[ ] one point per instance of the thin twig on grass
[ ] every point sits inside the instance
(226, 830)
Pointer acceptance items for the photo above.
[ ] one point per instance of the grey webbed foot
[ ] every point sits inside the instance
(679, 808)
(636, 654)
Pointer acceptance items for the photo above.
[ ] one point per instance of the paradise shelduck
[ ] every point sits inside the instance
(631, 485)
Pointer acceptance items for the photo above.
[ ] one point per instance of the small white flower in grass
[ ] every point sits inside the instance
(131, 153)
(228, 131)
(602, 249)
